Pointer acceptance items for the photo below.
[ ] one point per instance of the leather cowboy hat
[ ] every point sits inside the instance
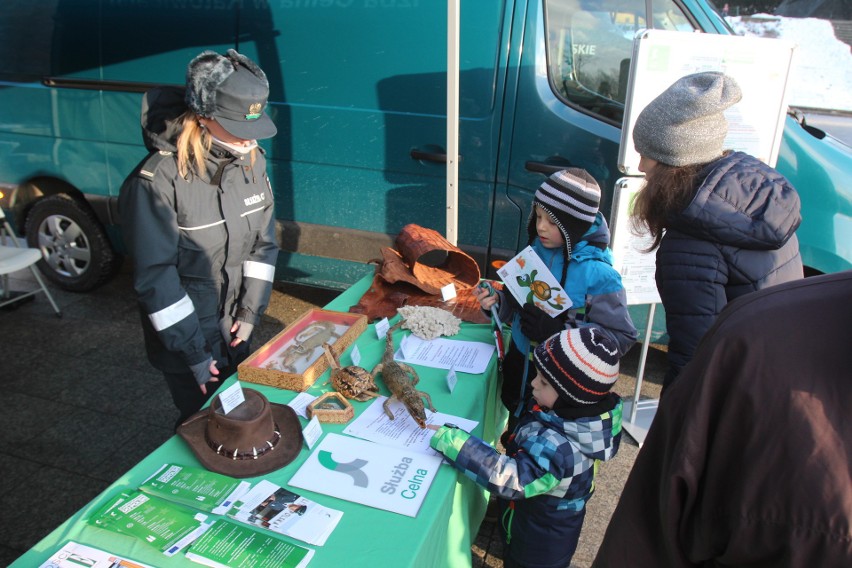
(255, 438)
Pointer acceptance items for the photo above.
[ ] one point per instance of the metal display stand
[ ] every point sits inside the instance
(637, 274)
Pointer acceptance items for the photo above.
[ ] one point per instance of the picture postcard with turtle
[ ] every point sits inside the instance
(530, 282)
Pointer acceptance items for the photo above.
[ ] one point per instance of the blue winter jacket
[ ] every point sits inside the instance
(593, 286)
(736, 236)
(548, 473)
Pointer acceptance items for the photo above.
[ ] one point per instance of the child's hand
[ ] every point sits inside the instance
(485, 295)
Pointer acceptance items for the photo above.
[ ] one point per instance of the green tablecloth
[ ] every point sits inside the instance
(439, 536)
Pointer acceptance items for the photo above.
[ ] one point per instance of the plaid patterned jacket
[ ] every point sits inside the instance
(549, 457)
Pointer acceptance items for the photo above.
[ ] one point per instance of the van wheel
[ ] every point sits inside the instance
(77, 254)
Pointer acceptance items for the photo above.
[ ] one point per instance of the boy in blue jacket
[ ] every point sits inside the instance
(568, 232)
(543, 481)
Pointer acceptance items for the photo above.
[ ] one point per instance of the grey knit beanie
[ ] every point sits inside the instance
(685, 124)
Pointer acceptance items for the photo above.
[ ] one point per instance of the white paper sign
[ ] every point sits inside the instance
(466, 356)
(374, 425)
(371, 474)
(448, 292)
(531, 282)
(382, 327)
(301, 402)
(355, 354)
(452, 379)
(312, 432)
(231, 397)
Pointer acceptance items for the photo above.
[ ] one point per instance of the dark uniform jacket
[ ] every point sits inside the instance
(736, 236)
(748, 461)
(204, 248)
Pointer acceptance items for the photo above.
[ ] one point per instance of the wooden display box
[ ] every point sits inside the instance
(294, 358)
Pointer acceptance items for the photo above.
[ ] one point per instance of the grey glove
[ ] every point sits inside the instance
(244, 331)
(202, 371)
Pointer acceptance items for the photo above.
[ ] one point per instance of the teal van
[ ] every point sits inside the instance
(358, 92)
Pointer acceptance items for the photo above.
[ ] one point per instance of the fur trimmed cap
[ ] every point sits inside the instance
(686, 124)
(580, 363)
(233, 91)
(571, 199)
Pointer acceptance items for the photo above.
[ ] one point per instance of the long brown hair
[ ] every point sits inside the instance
(668, 190)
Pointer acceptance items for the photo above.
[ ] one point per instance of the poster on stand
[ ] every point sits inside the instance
(378, 476)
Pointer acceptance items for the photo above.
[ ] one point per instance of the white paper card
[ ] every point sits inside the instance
(355, 354)
(374, 425)
(312, 432)
(382, 327)
(466, 356)
(452, 379)
(531, 282)
(231, 397)
(448, 292)
(300, 403)
(371, 474)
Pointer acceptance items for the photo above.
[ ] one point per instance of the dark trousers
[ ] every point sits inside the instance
(513, 374)
(186, 393)
(525, 550)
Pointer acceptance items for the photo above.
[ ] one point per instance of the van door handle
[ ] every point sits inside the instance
(429, 156)
(546, 168)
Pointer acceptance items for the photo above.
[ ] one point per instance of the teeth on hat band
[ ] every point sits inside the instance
(255, 453)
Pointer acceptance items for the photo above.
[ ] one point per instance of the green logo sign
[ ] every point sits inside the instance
(353, 468)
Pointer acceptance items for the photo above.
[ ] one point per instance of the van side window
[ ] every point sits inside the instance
(589, 45)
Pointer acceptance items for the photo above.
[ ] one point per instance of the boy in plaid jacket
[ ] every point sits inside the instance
(547, 475)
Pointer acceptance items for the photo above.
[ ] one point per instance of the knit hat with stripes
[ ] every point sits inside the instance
(580, 363)
(571, 198)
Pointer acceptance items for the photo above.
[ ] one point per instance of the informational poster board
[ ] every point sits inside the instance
(636, 266)
(761, 66)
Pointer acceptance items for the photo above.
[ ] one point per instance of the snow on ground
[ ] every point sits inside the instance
(822, 65)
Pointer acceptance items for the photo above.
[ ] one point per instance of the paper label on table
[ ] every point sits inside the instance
(382, 327)
(448, 292)
(403, 432)
(355, 355)
(451, 379)
(371, 474)
(312, 432)
(466, 356)
(300, 403)
(531, 282)
(231, 397)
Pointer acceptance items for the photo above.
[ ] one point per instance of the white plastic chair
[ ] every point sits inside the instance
(15, 258)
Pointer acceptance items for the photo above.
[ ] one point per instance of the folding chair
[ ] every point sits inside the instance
(15, 258)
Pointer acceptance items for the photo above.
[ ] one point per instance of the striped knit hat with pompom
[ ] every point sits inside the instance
(571, 199)
(581, 364)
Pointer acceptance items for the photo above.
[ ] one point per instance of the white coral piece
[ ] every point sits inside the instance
(427, 322)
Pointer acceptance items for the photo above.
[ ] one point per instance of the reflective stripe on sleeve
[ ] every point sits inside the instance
(259, 270)
(170, 315)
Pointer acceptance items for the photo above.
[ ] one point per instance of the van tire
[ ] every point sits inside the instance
(77, 255)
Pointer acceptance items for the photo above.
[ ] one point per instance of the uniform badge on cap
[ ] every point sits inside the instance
(254, 111)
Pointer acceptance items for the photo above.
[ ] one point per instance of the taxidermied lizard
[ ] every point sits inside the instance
(401, 380)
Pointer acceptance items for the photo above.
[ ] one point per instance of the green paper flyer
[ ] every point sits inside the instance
(195, 487)
(231, 545)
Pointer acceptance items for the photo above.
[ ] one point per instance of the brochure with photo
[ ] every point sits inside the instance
(227, 545)
(531, 282)
(383, 477)
(195, 487)
(74, 555)
(279, 510)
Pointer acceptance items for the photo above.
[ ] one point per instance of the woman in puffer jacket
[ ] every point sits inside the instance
(723, 223)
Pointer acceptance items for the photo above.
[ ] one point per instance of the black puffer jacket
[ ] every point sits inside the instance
(203, 247)
(736, 236)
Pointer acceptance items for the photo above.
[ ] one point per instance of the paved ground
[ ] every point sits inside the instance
(81, 406)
